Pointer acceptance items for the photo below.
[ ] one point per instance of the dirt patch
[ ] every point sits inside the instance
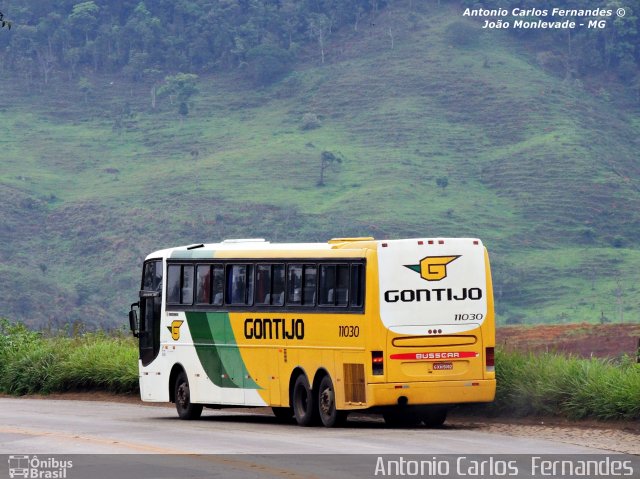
(585, 340)
(623, 437)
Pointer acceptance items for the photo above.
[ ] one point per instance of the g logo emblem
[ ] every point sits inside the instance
(175, 329)
(432, 268)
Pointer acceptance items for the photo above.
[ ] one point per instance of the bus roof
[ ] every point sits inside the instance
(258, 244)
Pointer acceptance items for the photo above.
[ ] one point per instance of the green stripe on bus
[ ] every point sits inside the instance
(218, 351)
(193, 254)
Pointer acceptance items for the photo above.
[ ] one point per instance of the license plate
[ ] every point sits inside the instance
(442, 366)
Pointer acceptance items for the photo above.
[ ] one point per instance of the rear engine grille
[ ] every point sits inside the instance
(354, 388)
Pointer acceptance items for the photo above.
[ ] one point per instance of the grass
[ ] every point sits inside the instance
(550, 384)
(33, 364)
(528, 384)
(542, 170)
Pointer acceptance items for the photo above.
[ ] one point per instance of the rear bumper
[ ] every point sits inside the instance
(440, 392)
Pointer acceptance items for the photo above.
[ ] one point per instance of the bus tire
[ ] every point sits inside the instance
(327, 411)
(435, 416)
(186, 409)
(283, 414)
(304, 407)
(401, 418)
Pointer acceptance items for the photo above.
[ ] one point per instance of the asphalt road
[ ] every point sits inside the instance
(29, 426)
(50, 427)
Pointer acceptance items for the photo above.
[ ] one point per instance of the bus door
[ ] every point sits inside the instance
(150, 308)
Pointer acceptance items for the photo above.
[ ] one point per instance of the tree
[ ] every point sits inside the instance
(84, 16)
(153, 75)
(328, 159)
(72, 58)
(46, 35)
(180, 87)
(86, 87)
(319, 25)
(46, 60)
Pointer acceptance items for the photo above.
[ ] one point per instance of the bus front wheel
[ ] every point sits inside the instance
(186, 409)
(329, 415)
(304, 407)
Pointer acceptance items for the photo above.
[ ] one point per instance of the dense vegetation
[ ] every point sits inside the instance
(545, 384)
(551, 384)
(31, 363)
(143, 40)
(127, 127)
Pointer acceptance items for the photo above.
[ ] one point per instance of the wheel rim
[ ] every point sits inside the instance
(326, 401)
(183, 395)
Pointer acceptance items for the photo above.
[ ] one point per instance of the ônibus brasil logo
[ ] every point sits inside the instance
(34, 467)
(432, 268)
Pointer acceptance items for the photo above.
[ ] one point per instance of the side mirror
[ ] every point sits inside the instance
(133, 321)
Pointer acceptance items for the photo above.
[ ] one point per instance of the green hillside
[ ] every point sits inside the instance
(544, 170)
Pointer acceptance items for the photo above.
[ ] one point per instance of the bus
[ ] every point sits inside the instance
(404, 328)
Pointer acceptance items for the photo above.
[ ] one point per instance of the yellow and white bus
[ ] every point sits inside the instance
(399, 327)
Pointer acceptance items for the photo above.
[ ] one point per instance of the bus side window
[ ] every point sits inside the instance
(342, 285)
(203, 282)
(263, 284)
(187, 285)
(240, 284)
(277, 283)
(357, 285)
(327, 284)
(334, 285)
(174, 271)
(294, 284)
(217, 290)
(310, 281)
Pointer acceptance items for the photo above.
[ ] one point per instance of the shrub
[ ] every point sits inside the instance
(310, 121)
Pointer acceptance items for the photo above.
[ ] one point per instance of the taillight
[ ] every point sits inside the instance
(490, 359)
(377, 363)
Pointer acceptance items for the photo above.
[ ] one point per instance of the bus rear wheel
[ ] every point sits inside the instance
(434, 416)
(186, 409)
(401, 418)
(304, 404)
(329, 415)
